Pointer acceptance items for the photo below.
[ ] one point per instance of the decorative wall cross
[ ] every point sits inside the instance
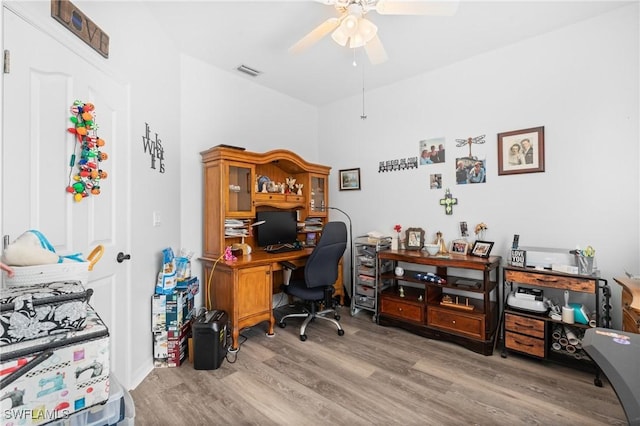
(448, 202)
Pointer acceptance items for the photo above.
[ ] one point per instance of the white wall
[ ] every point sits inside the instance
(148, 61)
(144, 60)
(225, 107)
(580, 83)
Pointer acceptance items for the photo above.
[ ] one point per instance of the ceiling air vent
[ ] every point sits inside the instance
(250, 71)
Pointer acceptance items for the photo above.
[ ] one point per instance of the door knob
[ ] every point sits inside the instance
(122, 257)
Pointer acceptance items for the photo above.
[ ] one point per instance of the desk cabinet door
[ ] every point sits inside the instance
(254, 291)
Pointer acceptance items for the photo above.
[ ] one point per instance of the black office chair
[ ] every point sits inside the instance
(320, 272)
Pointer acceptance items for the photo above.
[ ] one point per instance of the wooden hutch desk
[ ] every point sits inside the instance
(244, 288)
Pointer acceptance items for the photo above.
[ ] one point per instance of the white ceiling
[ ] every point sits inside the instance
(258, 34)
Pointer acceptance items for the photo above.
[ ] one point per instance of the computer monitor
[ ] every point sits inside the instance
(279, 227)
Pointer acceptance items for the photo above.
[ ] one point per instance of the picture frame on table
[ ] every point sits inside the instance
(481, 248)
(521, 151)
(459, 246)
(415, 239)
(349, 179)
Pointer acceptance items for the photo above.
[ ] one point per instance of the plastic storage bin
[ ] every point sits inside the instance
(112, 412)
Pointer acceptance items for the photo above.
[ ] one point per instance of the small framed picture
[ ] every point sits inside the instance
(415, 239)
(350, 179)
(521, 151)
(481, 248)
(459, 246)
(464, 229)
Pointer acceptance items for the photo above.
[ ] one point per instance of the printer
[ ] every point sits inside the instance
(528, 299)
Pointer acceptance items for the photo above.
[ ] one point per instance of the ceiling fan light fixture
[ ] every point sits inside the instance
(367, 29)
(340, 37)
(350, 25)
(356, 41)
(366, 32)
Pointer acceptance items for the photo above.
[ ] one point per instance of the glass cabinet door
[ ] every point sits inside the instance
(318, 195)
(239, 189)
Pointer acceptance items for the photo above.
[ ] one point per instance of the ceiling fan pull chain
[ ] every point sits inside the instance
(363, 116)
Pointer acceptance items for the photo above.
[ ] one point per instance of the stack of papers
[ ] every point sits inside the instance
(235, 228)
(313, 224)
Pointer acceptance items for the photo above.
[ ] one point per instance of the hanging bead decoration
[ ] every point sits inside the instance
(88, 175)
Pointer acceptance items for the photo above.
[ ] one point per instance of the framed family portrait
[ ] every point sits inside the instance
(459, 246)
(521, 151)
(481, 248)
(415, 239)
(350, 179)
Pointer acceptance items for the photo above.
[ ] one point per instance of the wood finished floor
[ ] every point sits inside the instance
(372, 375)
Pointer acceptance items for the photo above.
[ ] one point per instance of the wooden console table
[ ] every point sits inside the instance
(461, 310)
(630, 304)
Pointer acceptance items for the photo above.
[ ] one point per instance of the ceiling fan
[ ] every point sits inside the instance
(353, 29)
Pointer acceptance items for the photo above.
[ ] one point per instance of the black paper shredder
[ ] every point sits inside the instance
(209, 340)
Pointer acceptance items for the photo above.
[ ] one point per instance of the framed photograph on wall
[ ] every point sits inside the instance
(415, 239)
(464, 229)
(481, 248)
(459, 246)
(521, 151)
(350, 179)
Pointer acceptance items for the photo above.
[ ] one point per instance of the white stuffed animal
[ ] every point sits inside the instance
(30, 249)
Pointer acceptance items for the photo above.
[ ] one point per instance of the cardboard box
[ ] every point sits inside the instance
(176, 305)
(158, 313)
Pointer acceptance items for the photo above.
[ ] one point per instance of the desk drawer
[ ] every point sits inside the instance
(454, 321)
(527, 344)
(402, 310)
(529, 326)
(571, 283)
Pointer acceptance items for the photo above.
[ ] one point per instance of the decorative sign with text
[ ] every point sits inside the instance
(78, 23)
(395, 165)
(518, 258)
(154, 148)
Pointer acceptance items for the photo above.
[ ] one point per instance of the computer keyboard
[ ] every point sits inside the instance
(282, 248)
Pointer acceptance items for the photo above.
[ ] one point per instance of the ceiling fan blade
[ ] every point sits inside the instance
(315, 35)
(375, 51)
(417, 7)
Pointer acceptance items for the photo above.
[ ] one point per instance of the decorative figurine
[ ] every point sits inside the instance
(401, 291)
(440, 242)
(290, 184)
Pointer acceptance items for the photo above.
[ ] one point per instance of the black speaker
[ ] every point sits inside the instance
(209, 340)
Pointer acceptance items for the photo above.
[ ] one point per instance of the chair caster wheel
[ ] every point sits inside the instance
(282, 325)
(337, 317)
(303, 337)
(340, 332)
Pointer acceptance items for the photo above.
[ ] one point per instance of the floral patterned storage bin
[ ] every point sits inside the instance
(30, 312)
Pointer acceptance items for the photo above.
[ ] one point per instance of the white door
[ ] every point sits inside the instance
(44, 80)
